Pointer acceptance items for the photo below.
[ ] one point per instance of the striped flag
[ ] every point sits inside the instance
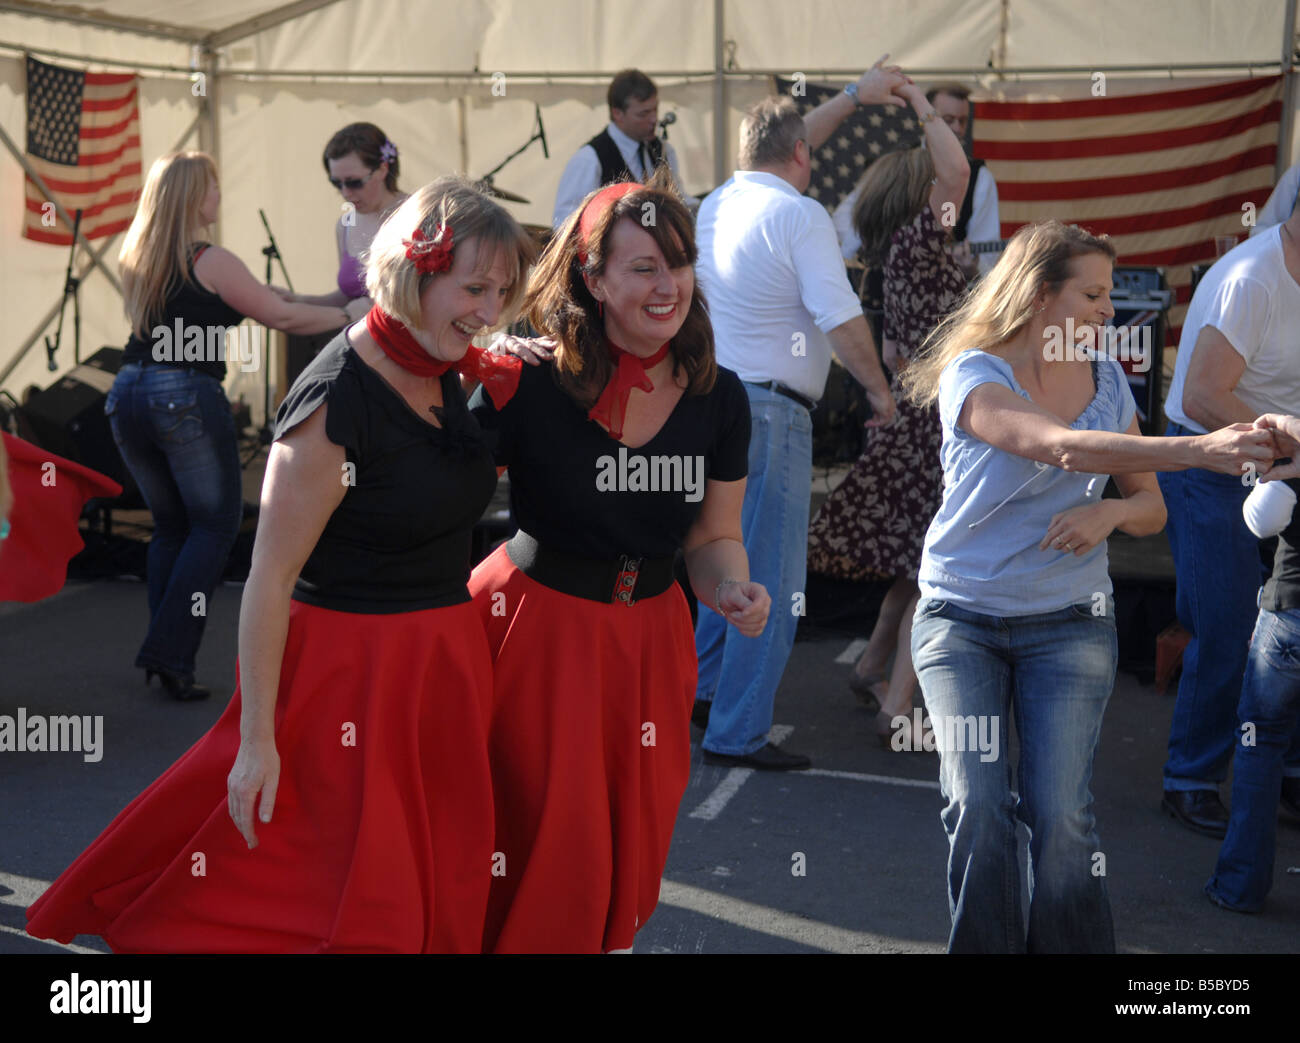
(1162, 174)
(83, 138)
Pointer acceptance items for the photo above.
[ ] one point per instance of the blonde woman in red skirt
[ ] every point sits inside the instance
(343, 802)
(630, 445)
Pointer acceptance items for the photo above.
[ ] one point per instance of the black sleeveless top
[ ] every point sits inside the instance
(190, 334)
(400, 540)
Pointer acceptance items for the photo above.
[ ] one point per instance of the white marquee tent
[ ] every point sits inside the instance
(279, 78)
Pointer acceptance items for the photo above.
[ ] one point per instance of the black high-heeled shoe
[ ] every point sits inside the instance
(182, 689)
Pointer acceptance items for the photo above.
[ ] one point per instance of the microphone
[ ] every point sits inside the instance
(541, 130)
(668, 120)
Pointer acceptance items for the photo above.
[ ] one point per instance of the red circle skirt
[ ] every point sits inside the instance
(590, 753)
(381, 837)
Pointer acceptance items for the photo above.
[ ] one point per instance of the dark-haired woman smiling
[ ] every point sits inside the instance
(594, 654)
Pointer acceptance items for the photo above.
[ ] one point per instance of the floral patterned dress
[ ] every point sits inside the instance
(873, 525)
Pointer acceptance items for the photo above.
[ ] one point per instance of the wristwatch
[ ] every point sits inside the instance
(852, 91)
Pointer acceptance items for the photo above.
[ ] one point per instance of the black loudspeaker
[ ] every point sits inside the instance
(1141, 300)
(68, 418)
(300, 349)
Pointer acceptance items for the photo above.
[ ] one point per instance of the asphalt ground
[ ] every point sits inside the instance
(848, 857)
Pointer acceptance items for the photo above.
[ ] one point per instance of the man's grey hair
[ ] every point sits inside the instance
(769, 133)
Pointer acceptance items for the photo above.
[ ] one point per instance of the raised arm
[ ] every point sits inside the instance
(879, 85)
(227, 275)
(304, 484)
(951, 168)
(995, 414)
(717, 564)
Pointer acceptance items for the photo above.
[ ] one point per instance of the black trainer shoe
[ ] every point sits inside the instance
(766, 758)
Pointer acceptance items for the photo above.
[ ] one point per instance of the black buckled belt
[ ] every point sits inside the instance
(781, 389)
(622, 580)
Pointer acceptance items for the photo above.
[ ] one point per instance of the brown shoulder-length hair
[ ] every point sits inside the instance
(559, 305)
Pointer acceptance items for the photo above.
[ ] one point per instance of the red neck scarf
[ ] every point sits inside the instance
(611, 407)
(499, 374)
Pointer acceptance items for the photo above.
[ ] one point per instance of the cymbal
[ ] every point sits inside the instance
(503, 193)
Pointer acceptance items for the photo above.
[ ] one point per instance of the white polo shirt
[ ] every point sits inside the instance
(1249, 297)
(771, 270)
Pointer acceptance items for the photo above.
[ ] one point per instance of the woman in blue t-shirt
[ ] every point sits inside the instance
(1016, 615)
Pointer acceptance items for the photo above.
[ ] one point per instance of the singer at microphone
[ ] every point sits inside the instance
(628, 149)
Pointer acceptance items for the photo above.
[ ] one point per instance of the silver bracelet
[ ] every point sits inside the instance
(717, 595)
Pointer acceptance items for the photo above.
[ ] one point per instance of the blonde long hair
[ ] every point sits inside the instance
(155, 257)
(1037, 259)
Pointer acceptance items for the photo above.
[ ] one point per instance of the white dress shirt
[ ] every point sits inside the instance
(770, 268)
(582, 175)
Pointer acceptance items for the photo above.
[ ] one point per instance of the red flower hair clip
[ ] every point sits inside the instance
(430, 255)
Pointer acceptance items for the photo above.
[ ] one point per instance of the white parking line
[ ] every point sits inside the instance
(888, 780)
(25, 890)
(730, 785)
(779, 924)
(854, 652)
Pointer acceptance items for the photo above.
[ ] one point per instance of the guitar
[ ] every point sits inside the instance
(993, 246)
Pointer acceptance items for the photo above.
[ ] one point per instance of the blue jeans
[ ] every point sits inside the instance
(1216, 558)
(1270, 701)
(177, 437)
(740, 674)
(1054, 671)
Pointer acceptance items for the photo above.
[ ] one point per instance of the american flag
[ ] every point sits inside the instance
(871, 131)
(83, 138)
(1162, 174)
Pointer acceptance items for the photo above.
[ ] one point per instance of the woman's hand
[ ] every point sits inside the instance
(1231, 449)
(533, 350)
(1286, 442)
(744, 605)
(285, 294)
(1079, 529)
(256, 770)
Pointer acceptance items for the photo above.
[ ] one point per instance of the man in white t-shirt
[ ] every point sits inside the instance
(1239, 357)
(1280, 203)
(780, 301)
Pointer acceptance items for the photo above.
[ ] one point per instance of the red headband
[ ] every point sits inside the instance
(595, 210)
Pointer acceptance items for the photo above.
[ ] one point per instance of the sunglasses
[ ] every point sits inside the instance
(352, 183)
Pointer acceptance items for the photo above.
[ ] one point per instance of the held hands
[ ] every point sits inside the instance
(256, 770)
(1079, 529)
(534, 350)
(1231, 448)
(744, 605)
(1286, 442)
(284, 294)
(883, 407)
(883, 85)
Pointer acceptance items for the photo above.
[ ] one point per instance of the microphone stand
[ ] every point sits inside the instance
(71, 286)
(539, 134)
(272, 254)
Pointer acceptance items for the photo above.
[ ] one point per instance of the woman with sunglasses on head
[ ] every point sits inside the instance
(1016, 615)
(167, 407)
(357, 816)
(630, 446)
(363, 165)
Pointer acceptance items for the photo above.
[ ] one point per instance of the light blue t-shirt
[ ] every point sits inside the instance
(981, 550)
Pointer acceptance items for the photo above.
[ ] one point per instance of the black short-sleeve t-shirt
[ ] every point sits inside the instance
(576, 489)
(400, 540)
